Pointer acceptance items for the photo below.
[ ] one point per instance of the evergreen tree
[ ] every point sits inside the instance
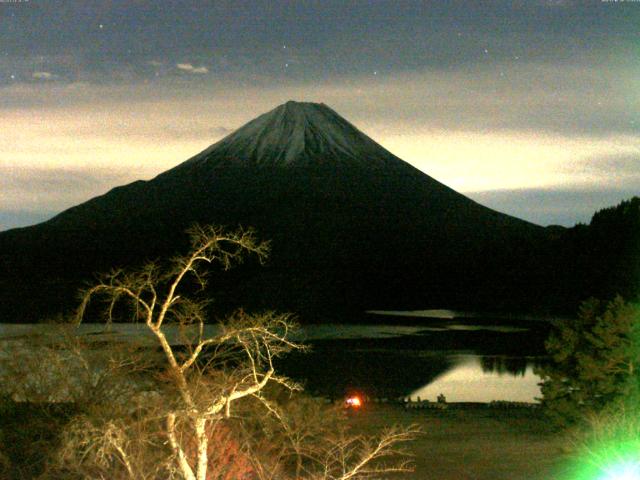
(594, 360)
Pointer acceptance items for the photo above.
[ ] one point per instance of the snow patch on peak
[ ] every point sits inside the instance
(298, 134)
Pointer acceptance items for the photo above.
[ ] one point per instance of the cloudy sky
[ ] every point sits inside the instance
(531, 107)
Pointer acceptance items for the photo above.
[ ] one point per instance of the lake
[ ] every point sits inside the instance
(470, 359)
(466, 360)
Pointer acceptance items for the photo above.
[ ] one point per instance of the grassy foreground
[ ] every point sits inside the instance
(459, 443)
(479, 443)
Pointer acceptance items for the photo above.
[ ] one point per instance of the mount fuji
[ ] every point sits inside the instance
(352, 226)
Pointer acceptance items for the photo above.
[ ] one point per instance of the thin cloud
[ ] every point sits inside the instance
(41, 189)
(188, 67)
(619, 163)
(42, 75)
(612, 169)
(553, 206)
(221, 131)
(22, 218)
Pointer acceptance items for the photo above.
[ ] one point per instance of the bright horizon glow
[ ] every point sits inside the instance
(105, 154)
(484, 161)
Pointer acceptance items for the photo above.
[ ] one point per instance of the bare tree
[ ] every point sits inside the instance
(213, 377)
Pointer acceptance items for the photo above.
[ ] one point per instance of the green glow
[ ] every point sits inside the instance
(623, 471)
(615, 461)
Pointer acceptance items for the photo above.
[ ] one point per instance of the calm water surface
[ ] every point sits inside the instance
(467, 360)
(470, 381)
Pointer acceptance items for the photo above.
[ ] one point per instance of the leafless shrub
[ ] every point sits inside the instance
(211, 408)
(59, 366)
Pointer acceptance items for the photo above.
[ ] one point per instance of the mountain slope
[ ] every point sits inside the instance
(352, 226)
(296, 135)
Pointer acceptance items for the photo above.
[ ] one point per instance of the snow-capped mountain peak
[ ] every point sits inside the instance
(297, 134)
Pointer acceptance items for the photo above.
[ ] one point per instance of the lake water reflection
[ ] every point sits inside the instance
(469, 380)
(467, 361)
(473, 360)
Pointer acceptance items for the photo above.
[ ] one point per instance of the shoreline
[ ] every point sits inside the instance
(472, 442)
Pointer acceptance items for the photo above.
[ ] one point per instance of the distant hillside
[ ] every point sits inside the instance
(352, 227)
(601, 259)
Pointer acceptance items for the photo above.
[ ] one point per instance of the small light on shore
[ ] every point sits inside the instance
(354, 401)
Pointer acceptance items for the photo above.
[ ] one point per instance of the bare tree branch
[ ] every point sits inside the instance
(214, 376)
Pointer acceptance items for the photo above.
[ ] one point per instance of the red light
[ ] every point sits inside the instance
(354, 401)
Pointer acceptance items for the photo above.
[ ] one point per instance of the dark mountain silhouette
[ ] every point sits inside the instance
(352, 227)
(601, 259)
